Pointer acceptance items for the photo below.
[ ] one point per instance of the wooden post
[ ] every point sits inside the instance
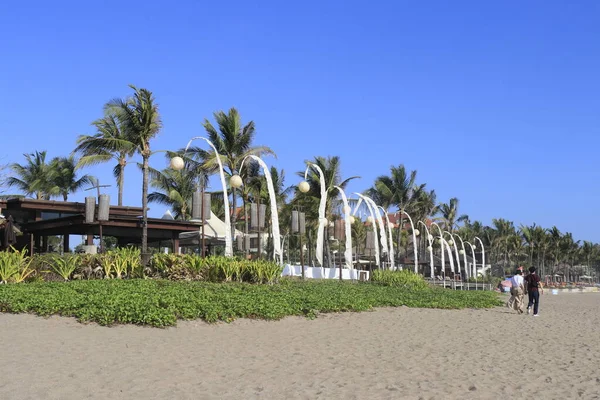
(31, 244)
(66, 243)
(175, 243)
(301, 257)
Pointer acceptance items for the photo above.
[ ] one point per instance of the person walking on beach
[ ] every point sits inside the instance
(510, 303)
(533, 288)
(517, 291)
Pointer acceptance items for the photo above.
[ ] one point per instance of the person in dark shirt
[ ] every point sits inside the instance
(533, 289)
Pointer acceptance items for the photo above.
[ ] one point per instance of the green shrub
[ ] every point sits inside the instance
(161, 302)
(175, 266)
(65, 265)
(90, 267)
(15, 266)
(126, 262)
(404, 278)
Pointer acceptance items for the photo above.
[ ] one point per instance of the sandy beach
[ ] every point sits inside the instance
(385, 354)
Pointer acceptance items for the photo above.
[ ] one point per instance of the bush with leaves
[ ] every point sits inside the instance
(15, 266)
(65, 265)
(161, 303)
(404, 278)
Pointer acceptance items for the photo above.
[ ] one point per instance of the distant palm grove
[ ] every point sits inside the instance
(125, 131)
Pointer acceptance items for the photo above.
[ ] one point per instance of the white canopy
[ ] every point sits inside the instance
(214, 230)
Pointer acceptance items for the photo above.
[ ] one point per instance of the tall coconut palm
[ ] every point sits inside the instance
(140, 121)
(63, 176)
(109, 143)
(234, 141)
(555, 239)
(426, 205)
(504, 230)
(332, 173)
(257, 186)
(450, 215)
(398, 189)
(33, 177)
(174, 189)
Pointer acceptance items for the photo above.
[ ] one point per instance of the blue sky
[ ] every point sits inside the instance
(495, 103)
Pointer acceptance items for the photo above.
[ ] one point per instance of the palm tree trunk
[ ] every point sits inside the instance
(327, 247)
(121, 180)
(245, 203)
(400, 235)
(233, 211)
(145, 207)
(309, 237)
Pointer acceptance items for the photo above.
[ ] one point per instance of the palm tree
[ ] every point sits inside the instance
(109, 143)
(504, 230)
(140, 122)
(63, 176)
(233, 141)
(257, 188)
(450, 216)
(400, 190)
(555, 239)
(426, 205)
(174, 189)
(33, 177)
(331, 167)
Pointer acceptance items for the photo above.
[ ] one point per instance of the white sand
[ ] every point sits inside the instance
(386, 354)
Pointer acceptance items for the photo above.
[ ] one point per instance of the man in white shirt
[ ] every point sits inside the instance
(517, 291)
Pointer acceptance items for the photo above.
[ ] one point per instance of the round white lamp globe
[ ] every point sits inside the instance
(177, 163)
(450, 242)
(303, 186)
(461, 252)
(391, 225)
(429, 248)
(430, 237)
(417, 232)
(235, 181)
(352, 220)
(347, 209)
(370, 219)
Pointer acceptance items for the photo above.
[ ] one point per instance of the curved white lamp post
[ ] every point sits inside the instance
(429, 248)
(441, 234)
(443, 257)
(414, 236)
(304, 187)
(390, 238)
(438, 228)
(452, 242)
(236, 181)
(474, 263)
(482, 257)
(177, 164)
(464, 254)
(449, 250)
(379, 219)
(348, 227)
(373, 223)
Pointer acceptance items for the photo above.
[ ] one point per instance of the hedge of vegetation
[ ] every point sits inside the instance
(125, 263)
(160, 303)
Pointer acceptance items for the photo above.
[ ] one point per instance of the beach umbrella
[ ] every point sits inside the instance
(10, 237)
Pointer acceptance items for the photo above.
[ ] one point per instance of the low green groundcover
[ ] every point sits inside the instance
(161, 303)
